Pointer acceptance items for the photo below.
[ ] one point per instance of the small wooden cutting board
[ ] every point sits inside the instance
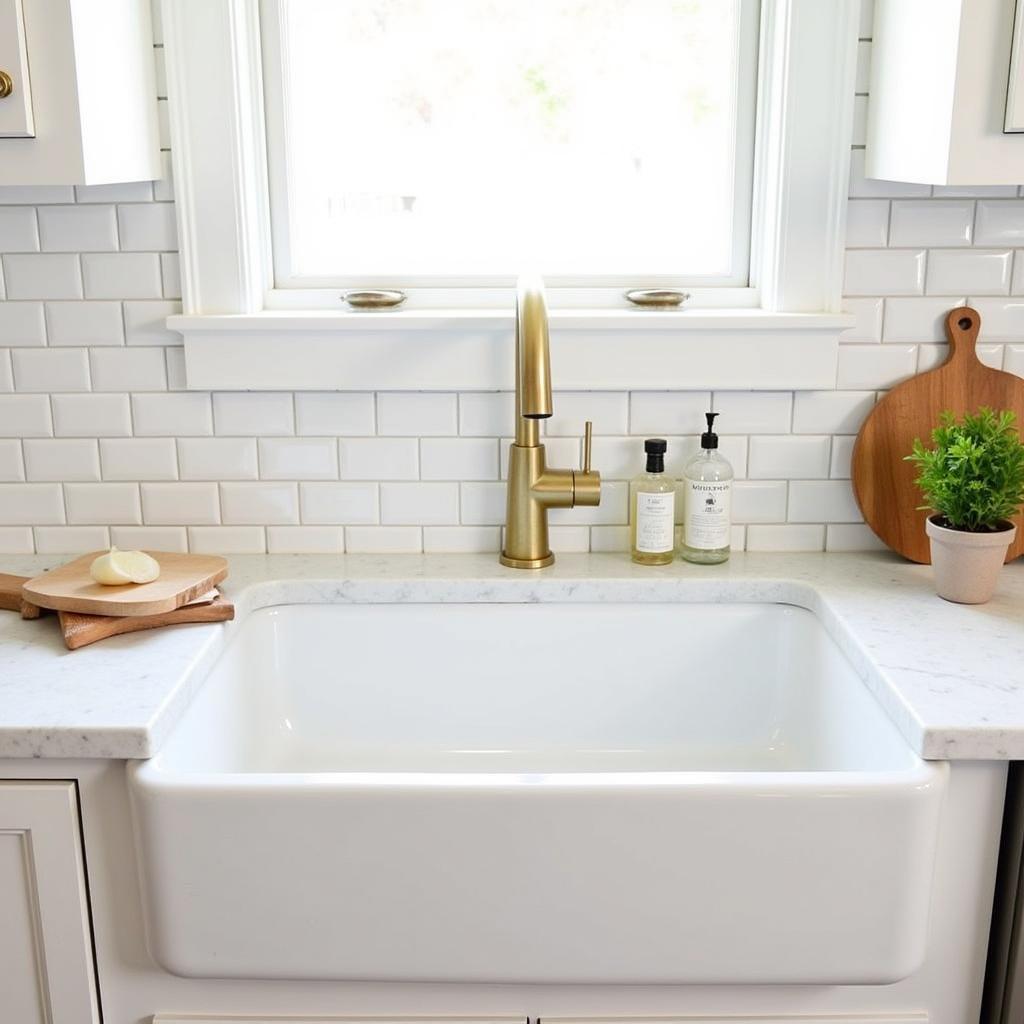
(883, 482)
(182, 579)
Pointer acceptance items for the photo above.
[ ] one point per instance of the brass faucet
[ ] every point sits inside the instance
(533, 488)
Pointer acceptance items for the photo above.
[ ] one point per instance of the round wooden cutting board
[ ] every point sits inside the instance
(883, 483)
(182, 579)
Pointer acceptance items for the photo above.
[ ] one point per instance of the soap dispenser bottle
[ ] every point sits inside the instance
(707, 502)
(652, 509)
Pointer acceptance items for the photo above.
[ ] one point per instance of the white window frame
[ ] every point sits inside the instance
(452, 292)
(241, 333)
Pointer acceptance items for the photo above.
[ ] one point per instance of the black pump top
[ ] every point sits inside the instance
(709, 439)
(655, 448)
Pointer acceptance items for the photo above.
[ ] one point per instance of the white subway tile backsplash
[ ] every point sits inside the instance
(180, 504)
(84, 323)
(138, 458)
(875, 366)
(22, 323)
(144, 322)
(569, 540)
(344, 504)
(16, 540)
(176, 379)
(58, 540)
(999, 222)
(486, 414)
(42, 276)
(31, 504)
(25, 416)
(884, 272)
(931, 222)
(18, 232)
(149, 538)
(334, 413)
(103, 504)
(869, 319)
(842, 456)
(126, 192)
(762, 537)
(301, 540)
(458, 458)
(379, 458)
(128, 369)
(608, 410)
(91, 415)
(851, 537)
(170, 275)
(392, 540)
(975, 191)
(1001, 319)
(752, 412)
(1013, 361)
(12, 465)
(32, 195)
(609, 538)
(253, 413)
(77, 229)
(662, 413)
(812, 501)
(421, 504)
(120, 275)
(482, 504)
(147, 227)
(621, 458)
(461, 539)
(867, 223)
(830, 412)
(298, 458)
(976, 271)
(416, 414)
(787, 458)
(227, 540)
(60, 459)
(6, 371)
(918, 320)
(759, 501)
(259, 503)
(931, 356)
(218, 458)
(177, 414)
(51, 369)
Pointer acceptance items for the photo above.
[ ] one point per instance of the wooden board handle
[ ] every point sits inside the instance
(962, 327)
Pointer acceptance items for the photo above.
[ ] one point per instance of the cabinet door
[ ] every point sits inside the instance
(15, 87)
(46, 964)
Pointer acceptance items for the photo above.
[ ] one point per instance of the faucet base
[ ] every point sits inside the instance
(527, 563)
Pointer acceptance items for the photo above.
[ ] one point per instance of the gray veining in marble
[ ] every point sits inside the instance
(951, 677)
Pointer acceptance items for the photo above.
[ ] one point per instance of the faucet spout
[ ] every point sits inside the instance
(533, 487)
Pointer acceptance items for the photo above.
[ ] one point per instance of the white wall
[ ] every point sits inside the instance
(99, 443)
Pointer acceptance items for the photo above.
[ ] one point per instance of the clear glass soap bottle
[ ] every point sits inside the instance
(707, 502)
(652, 509)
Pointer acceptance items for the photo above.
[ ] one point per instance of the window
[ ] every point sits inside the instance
(441, 142)
(321, 143)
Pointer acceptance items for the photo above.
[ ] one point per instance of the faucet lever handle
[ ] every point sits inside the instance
(588, 435)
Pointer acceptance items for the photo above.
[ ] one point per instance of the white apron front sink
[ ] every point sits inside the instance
(701, 793)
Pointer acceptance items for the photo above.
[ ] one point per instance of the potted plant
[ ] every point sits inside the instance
(973, 482)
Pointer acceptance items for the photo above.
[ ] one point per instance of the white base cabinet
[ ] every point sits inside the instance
(47, 975)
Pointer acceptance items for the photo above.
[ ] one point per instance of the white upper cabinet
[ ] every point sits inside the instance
(77, 93)
(938, 111)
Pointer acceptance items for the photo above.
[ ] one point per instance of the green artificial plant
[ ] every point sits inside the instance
(973, 477)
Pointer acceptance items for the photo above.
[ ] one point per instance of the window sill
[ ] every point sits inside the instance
(454, 350)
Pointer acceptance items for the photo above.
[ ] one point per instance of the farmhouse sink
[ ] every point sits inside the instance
(551, 792)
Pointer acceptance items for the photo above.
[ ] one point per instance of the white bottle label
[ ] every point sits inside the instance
(655, 522)
(708, 523)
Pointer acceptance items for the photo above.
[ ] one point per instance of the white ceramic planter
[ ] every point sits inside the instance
(966, 564)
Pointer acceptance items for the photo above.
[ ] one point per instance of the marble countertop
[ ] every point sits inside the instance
(951, 677)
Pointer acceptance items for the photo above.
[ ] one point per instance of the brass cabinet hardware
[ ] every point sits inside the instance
(6, 85)
(381, 299)
(533, 487)
(660, 298)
